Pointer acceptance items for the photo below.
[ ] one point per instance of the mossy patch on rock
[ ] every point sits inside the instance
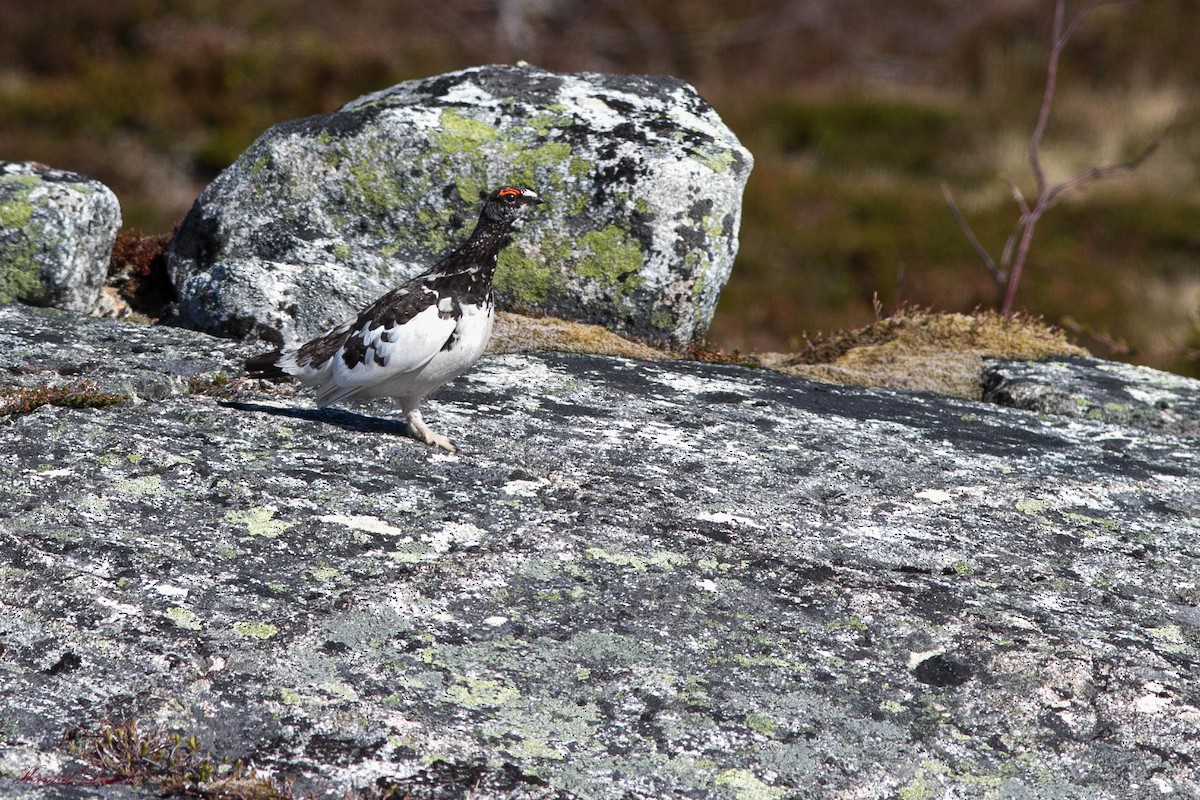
(924, 351)
(514, 333)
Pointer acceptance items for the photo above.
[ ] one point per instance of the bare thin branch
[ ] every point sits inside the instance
(1016, 249)
(1014, 274)
(1020, 198)
(970, 234)
(1088, 9)
(1060, 191)
(1007, 252)
(1039, 129)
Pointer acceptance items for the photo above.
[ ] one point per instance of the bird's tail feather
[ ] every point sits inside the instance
(265, 366)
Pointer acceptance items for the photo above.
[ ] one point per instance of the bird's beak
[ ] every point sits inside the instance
(531, 195)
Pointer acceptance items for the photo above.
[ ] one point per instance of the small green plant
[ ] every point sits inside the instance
(169, 764)
(217, 385)
(78, 394)
(1007, 271)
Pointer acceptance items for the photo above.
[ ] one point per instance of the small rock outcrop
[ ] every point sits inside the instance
(1091, 388)
(56, 233)
(643, 184)
(636, 580)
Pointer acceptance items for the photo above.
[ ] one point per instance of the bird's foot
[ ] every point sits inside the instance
(418, 430)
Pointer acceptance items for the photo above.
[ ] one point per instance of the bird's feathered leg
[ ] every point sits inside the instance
(418, 430)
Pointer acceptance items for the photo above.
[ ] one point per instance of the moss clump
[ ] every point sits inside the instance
(924, 351)
(168, 764)
(218, 385)
(520, 334)
(79, 394)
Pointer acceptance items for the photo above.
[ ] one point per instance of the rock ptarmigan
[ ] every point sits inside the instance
(416, 337)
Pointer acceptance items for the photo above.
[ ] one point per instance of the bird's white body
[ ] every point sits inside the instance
(405, 361)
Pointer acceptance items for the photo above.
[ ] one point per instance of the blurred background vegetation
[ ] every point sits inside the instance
(856, 112)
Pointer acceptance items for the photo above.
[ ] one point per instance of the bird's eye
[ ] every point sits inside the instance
(509, 194)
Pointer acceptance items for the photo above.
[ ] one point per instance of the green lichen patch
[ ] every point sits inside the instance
(259, 522)
(472, 692)
(611, 258)
(745, 785)
(529, 280)
(21, 278)
(255, 630)
(460, 133)
(183, 618)
(715, 158)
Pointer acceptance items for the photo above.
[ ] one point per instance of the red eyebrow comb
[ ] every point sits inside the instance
(509, 192)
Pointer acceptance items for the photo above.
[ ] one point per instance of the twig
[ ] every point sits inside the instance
(970, 234)
(1079, 180)
(1007, 273)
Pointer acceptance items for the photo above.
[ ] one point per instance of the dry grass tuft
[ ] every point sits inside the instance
(921, 350)
(514, 333)
(169, 765)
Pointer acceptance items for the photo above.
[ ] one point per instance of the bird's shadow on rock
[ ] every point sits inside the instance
(347, 420)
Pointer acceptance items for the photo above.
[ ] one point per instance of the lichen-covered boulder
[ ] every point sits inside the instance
(56, 234)
(643, 184)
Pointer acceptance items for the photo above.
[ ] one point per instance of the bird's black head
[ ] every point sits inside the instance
(510, 203)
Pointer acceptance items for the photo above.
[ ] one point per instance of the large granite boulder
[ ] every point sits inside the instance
(643, 184)
(636, 580)
(56, 233)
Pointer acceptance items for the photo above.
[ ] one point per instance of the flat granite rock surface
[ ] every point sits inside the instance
(636, 580)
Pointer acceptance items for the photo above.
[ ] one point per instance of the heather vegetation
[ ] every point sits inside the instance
(857, 113)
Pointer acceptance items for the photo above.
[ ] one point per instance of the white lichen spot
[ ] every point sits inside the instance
(522, 488)
(364, 523)
(915, 658)
(1152, 703)
(725, 518)
(495, 621)
(62, 472)
(707, 585)
(455, 535)
(934, 495)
